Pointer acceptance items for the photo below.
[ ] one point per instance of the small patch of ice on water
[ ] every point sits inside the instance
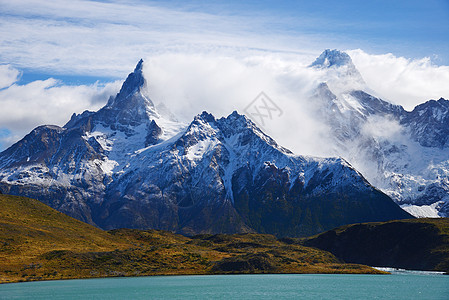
(397, 271)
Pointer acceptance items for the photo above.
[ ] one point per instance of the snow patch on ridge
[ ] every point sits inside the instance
(198, 150)
(423, 211)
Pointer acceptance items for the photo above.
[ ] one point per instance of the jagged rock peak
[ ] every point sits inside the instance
(133, 85)
(131, 106)
(134, 82)
(435, 108)
(330, 58)
(434, 103)
(207, 117)
(234, 120)
(138, 68)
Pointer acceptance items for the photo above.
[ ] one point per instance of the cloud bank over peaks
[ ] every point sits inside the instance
(189, 83)
(403, 81)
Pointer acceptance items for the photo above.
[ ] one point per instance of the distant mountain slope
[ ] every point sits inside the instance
(419, 244)
(405, 154)
(128, 165)
(39, 243)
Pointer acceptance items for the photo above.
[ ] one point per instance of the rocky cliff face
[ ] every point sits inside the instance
(420, 244)
(128, 165)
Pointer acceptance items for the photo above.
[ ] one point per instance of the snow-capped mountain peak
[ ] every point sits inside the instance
(132, 112)
(133, 83)
(339, 72)
(128, 123)
(131, 105)
(332, 58)
(428, 123)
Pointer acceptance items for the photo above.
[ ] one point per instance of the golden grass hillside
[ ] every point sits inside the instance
(39, 243)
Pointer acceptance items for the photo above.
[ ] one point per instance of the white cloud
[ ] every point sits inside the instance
(382, 128)
(187, 84)
(190, 84)
(24, 107)
(8, 75)
(400, 80)
(106, 38)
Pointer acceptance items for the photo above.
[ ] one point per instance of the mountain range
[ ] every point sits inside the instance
(132, 165)
(403, 153)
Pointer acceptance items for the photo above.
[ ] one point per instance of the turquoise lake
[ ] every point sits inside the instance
(285, 286)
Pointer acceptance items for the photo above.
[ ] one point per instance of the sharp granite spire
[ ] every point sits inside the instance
(131, 105)
(130, 112)
(134, 82)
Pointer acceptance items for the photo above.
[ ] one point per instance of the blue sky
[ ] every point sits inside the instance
(59, 57)
(412, 29)
(407, 28)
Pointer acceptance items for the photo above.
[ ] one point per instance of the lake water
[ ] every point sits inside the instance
(285, 286)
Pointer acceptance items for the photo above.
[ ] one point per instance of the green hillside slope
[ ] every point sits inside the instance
(39, 243)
